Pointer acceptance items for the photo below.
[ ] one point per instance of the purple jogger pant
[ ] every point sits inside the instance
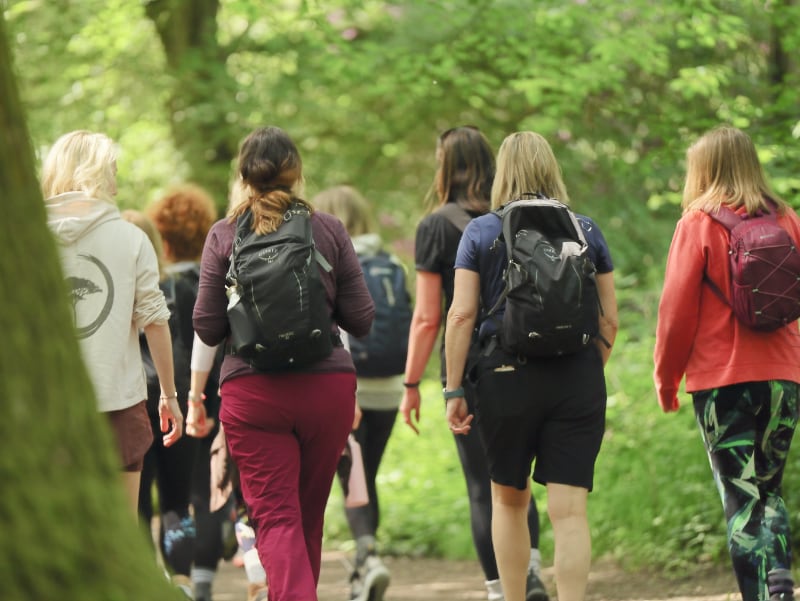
(286, 433)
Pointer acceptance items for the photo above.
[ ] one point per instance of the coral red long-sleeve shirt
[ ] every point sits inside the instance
(697, 334)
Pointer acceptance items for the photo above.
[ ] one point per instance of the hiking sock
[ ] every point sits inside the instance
(494, 590)
(365, 546)
(780, 584)
(202, 578)
(535, 562)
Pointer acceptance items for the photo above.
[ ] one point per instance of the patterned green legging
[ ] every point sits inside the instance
(747, 430)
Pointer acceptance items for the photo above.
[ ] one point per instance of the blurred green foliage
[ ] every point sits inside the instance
(364, 86)
(620, 88)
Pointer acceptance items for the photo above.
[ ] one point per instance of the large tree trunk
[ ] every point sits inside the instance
(201, 91)
(67, 530)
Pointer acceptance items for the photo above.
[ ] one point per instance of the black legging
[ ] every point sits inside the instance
(171, 469)
(208, 548)
(372, 434)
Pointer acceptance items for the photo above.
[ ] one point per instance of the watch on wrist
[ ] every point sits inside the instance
(453, 394)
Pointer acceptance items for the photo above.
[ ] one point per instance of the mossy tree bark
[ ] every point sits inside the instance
(67, 531)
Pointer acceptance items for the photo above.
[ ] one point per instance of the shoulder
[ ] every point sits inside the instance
(588, 226)
(223, 227)
(122, 230)
(222, 230)
(695, 217)
(489, 221)
(445, 215)
(699, 226)
(486, 227)
(327, 225)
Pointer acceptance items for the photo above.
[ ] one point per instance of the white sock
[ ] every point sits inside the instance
(202, 575)
(494, 590)
(253, 568)
(535, 562)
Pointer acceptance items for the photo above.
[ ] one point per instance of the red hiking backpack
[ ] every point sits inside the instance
(765, 270)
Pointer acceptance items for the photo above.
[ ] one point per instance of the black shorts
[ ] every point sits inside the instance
(551, 410)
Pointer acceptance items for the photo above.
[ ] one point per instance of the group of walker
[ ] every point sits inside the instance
(512, 417)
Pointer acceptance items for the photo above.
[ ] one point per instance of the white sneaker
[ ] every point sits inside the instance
(370, 582)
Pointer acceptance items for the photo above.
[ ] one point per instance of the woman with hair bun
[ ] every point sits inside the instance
(285, 430)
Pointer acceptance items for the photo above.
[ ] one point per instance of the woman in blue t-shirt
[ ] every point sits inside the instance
(462, 187)
(548, 409)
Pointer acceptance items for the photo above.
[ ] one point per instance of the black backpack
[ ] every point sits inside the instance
(277, 311)
(551, 301)
(383, 351)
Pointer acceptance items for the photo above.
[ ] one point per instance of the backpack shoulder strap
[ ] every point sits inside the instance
(507, 237)
(728, 218)
(455, 215)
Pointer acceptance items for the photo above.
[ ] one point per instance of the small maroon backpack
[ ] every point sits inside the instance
(765, 270)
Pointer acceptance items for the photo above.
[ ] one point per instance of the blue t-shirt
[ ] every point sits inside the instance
(475, 253)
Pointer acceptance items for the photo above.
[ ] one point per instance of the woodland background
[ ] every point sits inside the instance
(620, 88)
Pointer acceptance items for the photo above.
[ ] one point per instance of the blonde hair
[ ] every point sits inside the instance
(270, 176)
(81, 161)
(144, 223)
(526, 165)
(347, 203)
(722, 167)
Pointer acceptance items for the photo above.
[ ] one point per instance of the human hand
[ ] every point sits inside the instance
(458, 416)
(171, 419)
(409, 407)
(198, 424)
(669, 404)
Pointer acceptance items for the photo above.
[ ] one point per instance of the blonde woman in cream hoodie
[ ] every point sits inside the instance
(112, 275)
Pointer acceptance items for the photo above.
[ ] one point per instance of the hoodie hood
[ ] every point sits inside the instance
(367, 244)
(73, 214)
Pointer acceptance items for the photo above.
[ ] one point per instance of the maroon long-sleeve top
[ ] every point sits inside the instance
(346, 293)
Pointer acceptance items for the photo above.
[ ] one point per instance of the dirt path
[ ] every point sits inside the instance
(437, 580)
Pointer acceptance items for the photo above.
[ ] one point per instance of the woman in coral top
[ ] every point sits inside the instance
(743, 382)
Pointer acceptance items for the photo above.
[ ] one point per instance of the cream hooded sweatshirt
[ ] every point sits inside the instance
(112, 277)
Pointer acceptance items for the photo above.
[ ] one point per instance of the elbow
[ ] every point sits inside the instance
(423, 323)
(360, 327)
(457, 318)
(155, 324)
(209, 336)
(206, 339)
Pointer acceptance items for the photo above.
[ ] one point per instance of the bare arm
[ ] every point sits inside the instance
(609, 319)
(458, 334)
(160, 344)
(424, 328)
